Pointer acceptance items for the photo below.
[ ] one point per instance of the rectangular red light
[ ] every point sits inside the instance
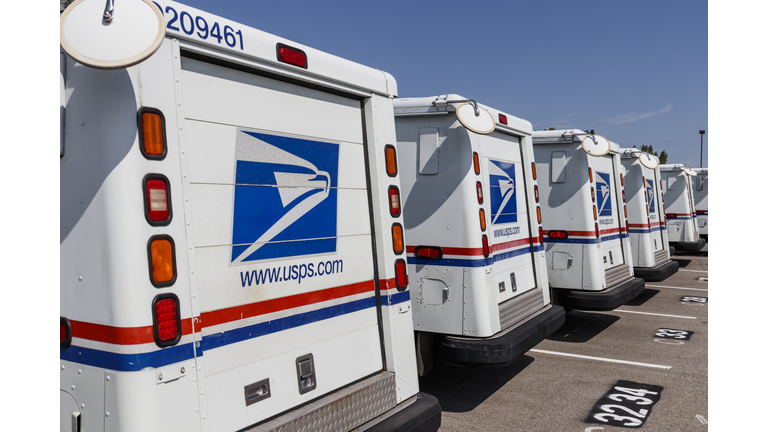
(157, 200)
(486, 248)
(167, 320)
(428, 252)
(394, 201)
(401, 276)
(560, 235)
(292, 56)
(479, 193)
(502, 119)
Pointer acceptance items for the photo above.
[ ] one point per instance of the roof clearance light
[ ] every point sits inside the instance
(162, 261)
(482, 220)
(394, 201)
(533, 170)
(167, 322)
(536, 192)
(476, 162)
(152, 136)
(502, 119)
(390, 157)
(401, 277)
(428, 252)
(397, 239)
(479, 193)
(292, 56)
(486, 248)
(559, 235)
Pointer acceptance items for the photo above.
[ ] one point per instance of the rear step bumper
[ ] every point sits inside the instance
(422, 415)
(505, 346)
(658, 273)
(690, 246)
(608, 299)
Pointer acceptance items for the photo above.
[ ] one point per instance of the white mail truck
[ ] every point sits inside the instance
(682, 226)
(700, 198)
(479, 286)
(232, 243)
(581, 187)
(645, 218)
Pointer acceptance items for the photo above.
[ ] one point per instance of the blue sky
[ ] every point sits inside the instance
(635, 72)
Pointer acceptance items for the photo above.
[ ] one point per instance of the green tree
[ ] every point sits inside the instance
(649, 149)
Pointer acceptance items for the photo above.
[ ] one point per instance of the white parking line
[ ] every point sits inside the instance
(695, 271)
(682, 288)
(656, 314)
(601, 359)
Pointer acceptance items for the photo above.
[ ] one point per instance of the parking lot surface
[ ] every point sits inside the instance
(641, 366)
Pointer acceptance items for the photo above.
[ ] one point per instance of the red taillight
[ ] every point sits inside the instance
(157, 199)
(65, 332)
(541, 235)
(428, 252)
(486, 248)
(536, 192)
(476, 162)
(671, 215)
(394, 201)
(167, 322)
(401, 277)
(479, 193)
(559, 235)
(502, 119)
(597, 231)
(292, 56)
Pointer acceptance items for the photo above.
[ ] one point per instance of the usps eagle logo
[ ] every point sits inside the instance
(603, 186)
(285, 201)
(651, 196)
(503, 192)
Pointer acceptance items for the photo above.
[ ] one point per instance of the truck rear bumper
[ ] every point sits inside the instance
(608, 299)
(422, 415)
(658, 273)
(690, 246)
(506, 345)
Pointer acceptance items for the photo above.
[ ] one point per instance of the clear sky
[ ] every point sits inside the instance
(634, 71)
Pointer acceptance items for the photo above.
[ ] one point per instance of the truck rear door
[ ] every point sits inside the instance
(608, 203)
(508, 220)
(278, 212)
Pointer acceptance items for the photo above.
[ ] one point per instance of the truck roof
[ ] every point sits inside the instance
(564, 136)
(435, 104)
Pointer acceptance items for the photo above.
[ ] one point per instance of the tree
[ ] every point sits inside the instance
(649, 149)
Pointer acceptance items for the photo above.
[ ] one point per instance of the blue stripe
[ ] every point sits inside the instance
(643, 230)
(394, 299)
(127, 362)
(253, 331)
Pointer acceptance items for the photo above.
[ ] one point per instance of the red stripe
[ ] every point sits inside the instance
(387, 284)
(235, 313)
(574, 233)
(476, 251)
(609, 231)
(120, 335)
(514, 243)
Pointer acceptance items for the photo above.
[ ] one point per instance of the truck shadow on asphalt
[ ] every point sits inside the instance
(582, 326)
(462, 389)
(642, 298)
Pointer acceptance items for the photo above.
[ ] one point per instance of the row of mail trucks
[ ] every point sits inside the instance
(257, 235)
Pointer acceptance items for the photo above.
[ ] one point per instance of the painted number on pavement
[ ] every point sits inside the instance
(627, 404)
(691, 299)
(673, 334)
